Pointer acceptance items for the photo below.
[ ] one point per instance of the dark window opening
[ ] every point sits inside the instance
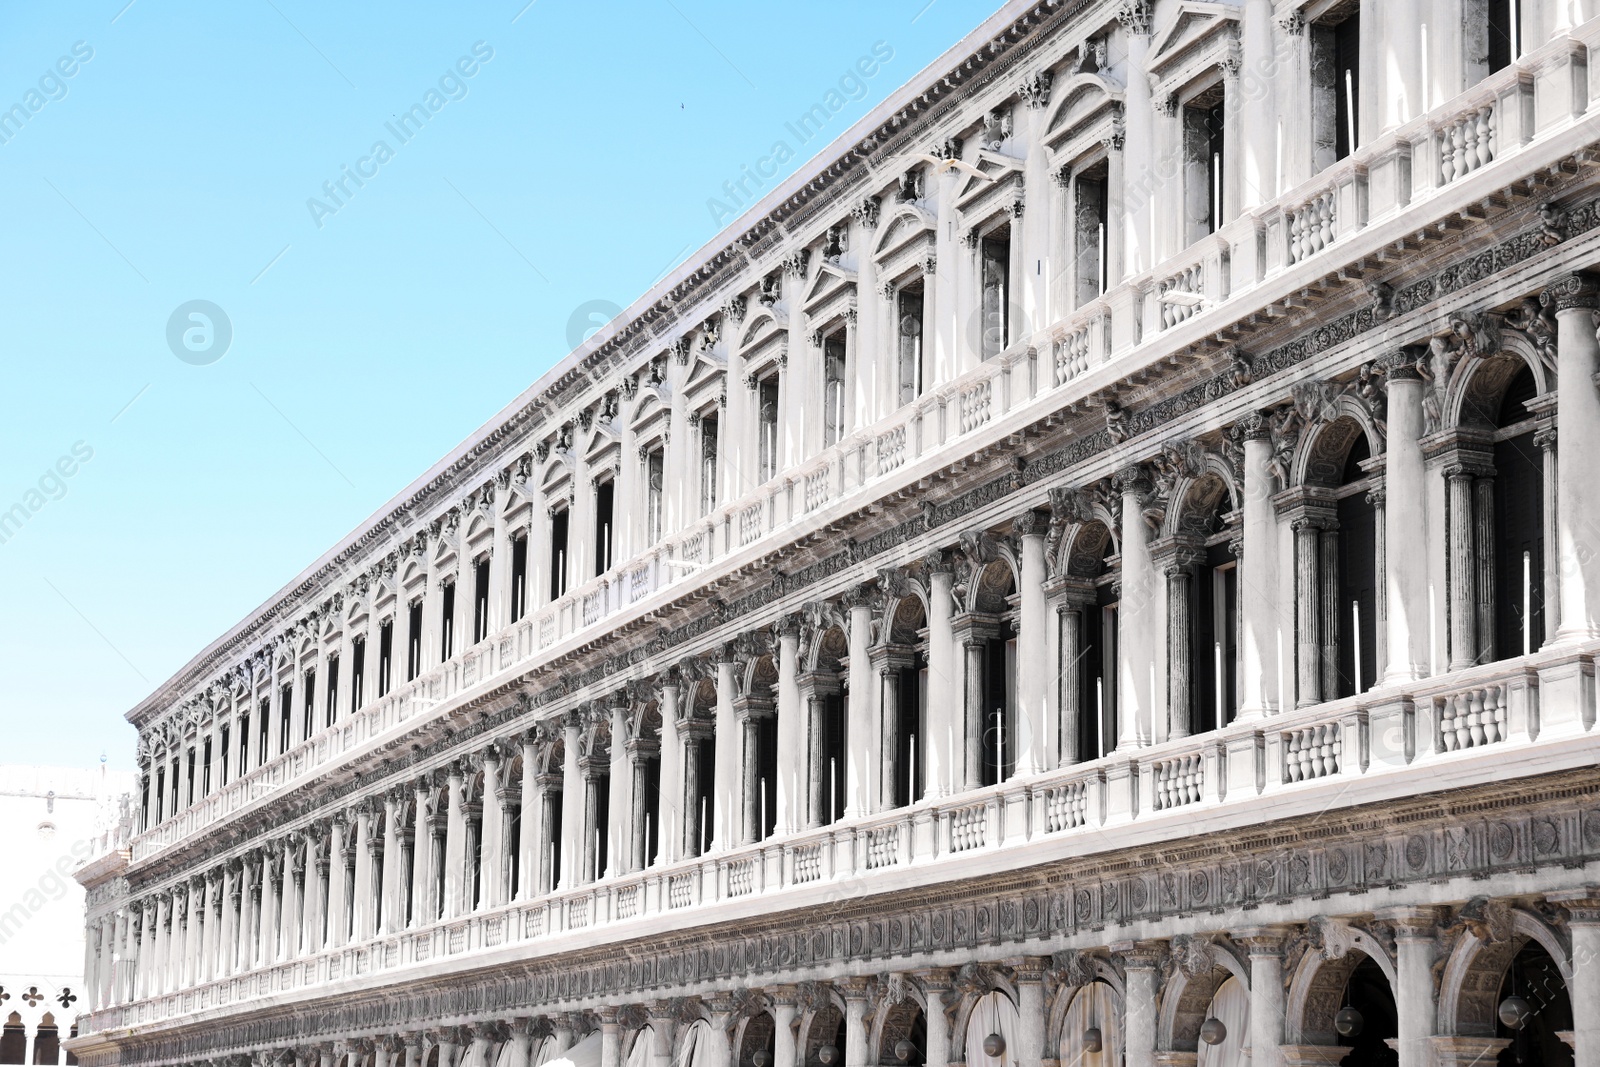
(767, 770)
(767, 428)
(447, 620)
(553, 839)
(1097, 703)
(1534, 977)
(331, 714)
(244, 744)
(558, 554)
(385, 656)
(1090, 234)
(1504, 32)
(513, 852)
(47, 1042)
(225, 760)
(1519, 529)
(188, 793)
(1354, 614)
(358, 673)
(205, 769)
(834, 741)
(652, 810)
(995, 306)
(475, 858)
(264, 740)
(655, 478)
(999, 707)
(1215, 653)
(519, 576)
(285, 718)
(414, 639)
(480, 600)
(834, 359)
(704, 794)
(1368, 992)
(1335, 89)
(1204, 119)
(908, 334)
(161, 794)
(308, 705)
(708, 464)
(601, 831)
(144, 803)
(908, 714)
(605, 498)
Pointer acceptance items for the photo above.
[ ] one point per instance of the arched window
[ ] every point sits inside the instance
(1091, 1035)
(13, 1040)
(47, 1041)
(1519, 618)
(994, 1015)
(1368, 994)
(1534, 977)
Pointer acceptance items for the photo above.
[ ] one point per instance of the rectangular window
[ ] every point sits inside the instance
(205, 769)
(908, 333)
(244, 744)
(519, 576)
(332, 714)
(161, 793)
(995, 327)
(309, 707)
(1090, 236)
(708, 464)
(605, 498)
(385, 656)
(558, 554)
(1203, 163)
(225, 762)
(1504, 32)
(188, 794)
(447, 621)
(655, 477)
(834, 357)
(480, 600)
(414, 639)
(1335, 89)
(285, 718)
(767, 428)
(264, 713)
(358, 673)
(144, 805)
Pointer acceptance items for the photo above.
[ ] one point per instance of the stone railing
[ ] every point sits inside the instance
(1402, 169)
(1269, 761)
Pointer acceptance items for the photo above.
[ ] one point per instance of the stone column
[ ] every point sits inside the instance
(493, 849)
(610, 1045)
(792, 722)
(671, 789)
(361, 918)
(1069, 620)
(531, 826)
(271, 904)
(1307, 609)
(750, 828)
(232, 890)
(1034, 668)
(550, 872)
(338, 919)
(725, 781)
(1413, 993)
(621, 829)
(861, 733)
(455, 843)
(816, 760)
(973, 649)
(1180, 651)
(421, 857)
(1405, 524)
(1137, 616)
(1136, 225)
(1139, 1019)
(1261, 627)
(394, 904)
(1463, 569)
(1031, 1010)
(940, 716)
(1265, 947)
(641, 750)
(854, 990)
(592, 867)
(935, 984)
(887, 673)
(693, 732)
(1583, 916)
(572, 787)
(1578, 426)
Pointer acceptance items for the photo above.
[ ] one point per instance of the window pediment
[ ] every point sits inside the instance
(1090, 107)
(1200, 36)
(1001, 183)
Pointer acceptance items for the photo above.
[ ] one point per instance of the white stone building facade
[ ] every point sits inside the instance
(52, 819)
(1101, 567)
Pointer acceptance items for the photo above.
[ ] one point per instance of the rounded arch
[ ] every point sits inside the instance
(906, 616)
(1095, 1005)
(1469, 989)
(1060, 1016)
(1081, 96)
(829, 648)
(638, 1047)
(1186, 1003)
(1320, 459)
(1480, 383)
(993, 585)
(1086, 544)
(1317, 988)
(1201, 501)
(755, 1033)
(902, 1020)
(820, 1025)
(755, 327)
(981, 1015)
(1229, 1005)
(901, 224)
(761, 676)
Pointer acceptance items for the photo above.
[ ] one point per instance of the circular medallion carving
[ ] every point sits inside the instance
(1266, 872)
(1338, 867)
(982, 921)
(1501, 841)
(936, 929)
(1299, 872)
(1030, 914)
(1546, 838)
(1416, 851)
(1080, 905)
(1140, 895)
(1199, 886)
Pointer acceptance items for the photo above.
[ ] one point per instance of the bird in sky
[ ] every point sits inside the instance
(943, 166)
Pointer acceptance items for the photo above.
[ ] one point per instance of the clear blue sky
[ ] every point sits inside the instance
(176, 162)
